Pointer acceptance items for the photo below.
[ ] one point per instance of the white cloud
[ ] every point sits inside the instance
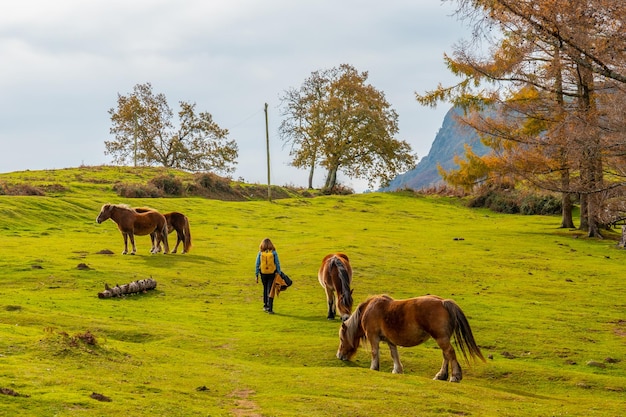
(64, 63)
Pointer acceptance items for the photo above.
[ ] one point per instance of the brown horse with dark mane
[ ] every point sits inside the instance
(132, 223)
(335, 276)
(175, 221)
(409, 323)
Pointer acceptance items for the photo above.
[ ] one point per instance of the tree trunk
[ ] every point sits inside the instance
(622, 241)
(331, 180)
(591, 164)
(311, 172)
(584, 209)
(141, 285)
(567, 221)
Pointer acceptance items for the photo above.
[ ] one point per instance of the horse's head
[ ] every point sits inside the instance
(349, 337)
(105, 213)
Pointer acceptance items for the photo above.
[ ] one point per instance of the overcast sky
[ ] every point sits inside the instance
(63, 63)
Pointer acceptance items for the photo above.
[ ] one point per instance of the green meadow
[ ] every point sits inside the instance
(547, 307)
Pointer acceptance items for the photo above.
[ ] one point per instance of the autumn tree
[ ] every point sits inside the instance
(145, 134)
(553, 66)
(336, 120)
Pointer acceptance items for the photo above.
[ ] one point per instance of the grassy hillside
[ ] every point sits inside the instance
(545, 305)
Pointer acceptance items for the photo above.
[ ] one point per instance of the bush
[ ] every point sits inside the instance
(20, 189)
(512, 202)
(546, 204)
(212, 182)
(338, 189)
(502, 203)
(169, 184)
(137, 191)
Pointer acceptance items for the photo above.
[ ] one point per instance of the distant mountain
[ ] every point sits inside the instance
(449, 141)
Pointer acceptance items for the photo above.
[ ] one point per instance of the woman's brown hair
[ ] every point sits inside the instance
(266, 244)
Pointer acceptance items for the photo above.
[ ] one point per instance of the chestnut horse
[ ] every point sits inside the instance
(408, 323)
(132, 223)
(335, 276)
(175, 221)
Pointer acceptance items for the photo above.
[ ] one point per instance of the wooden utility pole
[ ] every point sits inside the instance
(267, 143)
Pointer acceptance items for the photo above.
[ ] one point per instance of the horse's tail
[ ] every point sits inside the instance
(344, 278)
(462, 331)
(164, 233)
(187, 242)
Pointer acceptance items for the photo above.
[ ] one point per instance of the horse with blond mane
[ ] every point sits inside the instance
(131, 223)
(335, 276)
(409, 323)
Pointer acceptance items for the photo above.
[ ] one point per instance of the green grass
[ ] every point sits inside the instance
(542, 302)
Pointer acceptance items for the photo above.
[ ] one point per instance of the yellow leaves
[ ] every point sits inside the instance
(470, 172)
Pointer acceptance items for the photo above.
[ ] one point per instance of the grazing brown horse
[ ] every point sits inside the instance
(175, 221)
(409, 323)
(335, 276)
(132, 223)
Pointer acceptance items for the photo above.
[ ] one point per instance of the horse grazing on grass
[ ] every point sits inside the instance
(132, 223)
(335, 276)
(175, 221)
(408, 323)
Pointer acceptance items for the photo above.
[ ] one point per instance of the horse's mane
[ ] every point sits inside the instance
(352, 325)
(122, 206)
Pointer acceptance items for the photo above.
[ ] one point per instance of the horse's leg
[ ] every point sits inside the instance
(375, 342)
(330, 298)
(156, 243)
(442, 375)
(457, 373)
(131, 236)
(178, 240)
(166, 246)
(449, 357)
(125, 235)
(397, 365)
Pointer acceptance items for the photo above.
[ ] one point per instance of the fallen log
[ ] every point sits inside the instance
(142, 285)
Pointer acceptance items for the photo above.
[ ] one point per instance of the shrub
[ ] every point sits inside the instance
(545, 204)
(212, 182)
(511, 202)
(137, 191)
(502, 203)
(169, 184)
(22, 189)
(338, 189)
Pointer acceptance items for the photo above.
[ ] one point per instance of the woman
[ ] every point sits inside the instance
(267, 265)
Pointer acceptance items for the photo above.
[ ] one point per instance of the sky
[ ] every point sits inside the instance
(64, 62)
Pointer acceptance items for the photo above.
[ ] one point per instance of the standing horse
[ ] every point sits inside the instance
(409, 323)
(335, 276)
(175, 221)
(132, 223)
